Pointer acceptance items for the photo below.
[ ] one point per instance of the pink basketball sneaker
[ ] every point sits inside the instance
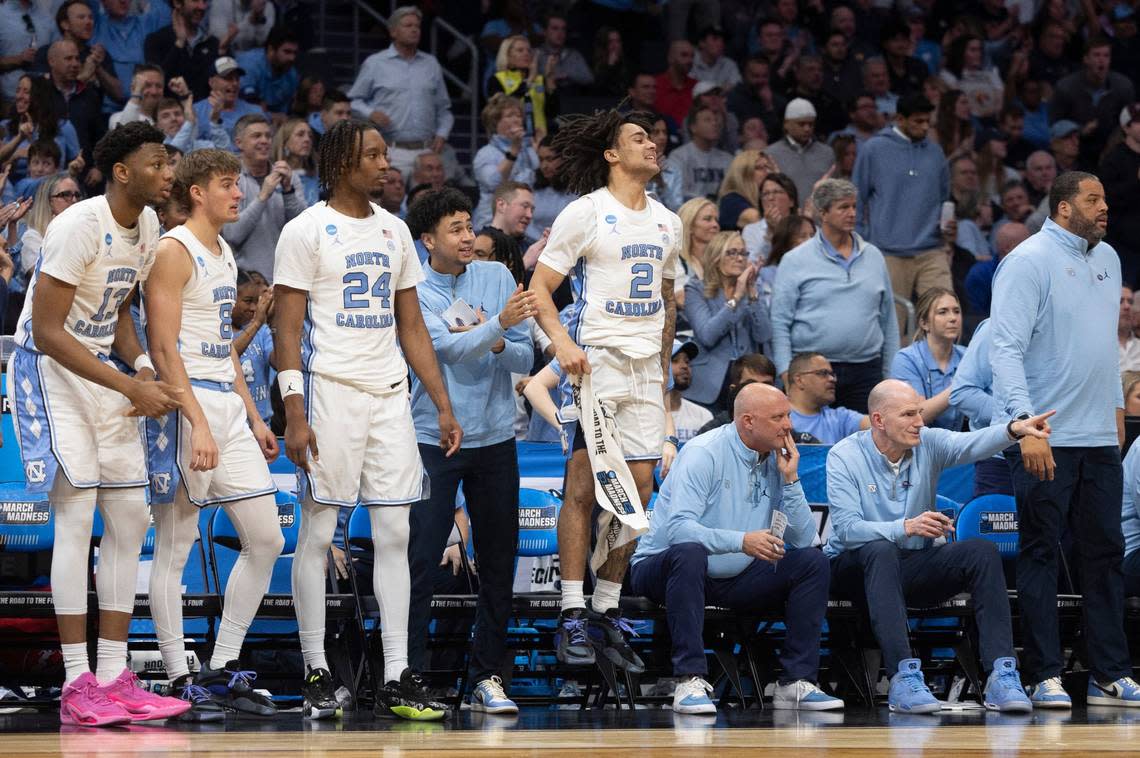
(127, 691)
(84, 703)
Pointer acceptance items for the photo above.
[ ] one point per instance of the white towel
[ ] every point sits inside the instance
(623, 518)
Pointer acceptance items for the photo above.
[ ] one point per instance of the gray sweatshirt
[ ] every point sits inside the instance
(253, 236)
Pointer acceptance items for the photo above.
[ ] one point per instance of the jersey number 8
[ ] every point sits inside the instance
(357, 282)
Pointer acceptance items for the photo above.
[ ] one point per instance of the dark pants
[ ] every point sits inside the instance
(1131, 568)
(678, 579)
(886, 578)
(1085, 494)
(854, 382)
(490, 477)
(991, 477)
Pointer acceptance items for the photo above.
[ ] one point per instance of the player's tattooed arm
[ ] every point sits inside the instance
(418, 350)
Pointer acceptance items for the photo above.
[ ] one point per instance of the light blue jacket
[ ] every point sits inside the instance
(722, 334)
(902, 185)
(972, 390)
(1054, 314)
(478, 380)
(718, 490)
(868, 502)
(846, 313)
(1130, 516)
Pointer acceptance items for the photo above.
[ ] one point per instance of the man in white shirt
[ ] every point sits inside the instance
(688, 417)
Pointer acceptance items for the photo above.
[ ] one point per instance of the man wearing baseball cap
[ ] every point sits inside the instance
(1119, 172)
(222, 106)
(185, 48)
(688, 417)
(798, 154)
(1065, 144)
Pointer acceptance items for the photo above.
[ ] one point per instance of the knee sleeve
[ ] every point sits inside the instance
(318, 524)
(176, 529)
(126, 518)
(391, 578)
(74, 512)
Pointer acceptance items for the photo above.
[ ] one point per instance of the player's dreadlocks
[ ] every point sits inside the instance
(582, 142)
(340, 151)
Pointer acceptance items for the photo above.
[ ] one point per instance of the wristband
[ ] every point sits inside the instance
(143, 361)
(510, 156)
(672, 438)
(290, 382)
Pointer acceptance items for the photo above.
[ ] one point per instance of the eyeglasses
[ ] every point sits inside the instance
(826, 373)
(66, 196)
(736, 253)
(771, 194)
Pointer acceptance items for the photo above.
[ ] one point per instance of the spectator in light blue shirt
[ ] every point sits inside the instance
(833, 296)
(811, 391)
(929, 362)
(711, 541)
(270, 74)
(1055, 312)
(123, 33)
(253, 340)
(224, 86)
(886, 549)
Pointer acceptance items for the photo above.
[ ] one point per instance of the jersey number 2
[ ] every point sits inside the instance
(357, 282)
(642, 280)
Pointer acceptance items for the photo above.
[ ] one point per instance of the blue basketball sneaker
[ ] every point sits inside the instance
(488, 697)
(1049, 694)
(1004, 692)
(909, 693)
(1123, 693)
(691, 695)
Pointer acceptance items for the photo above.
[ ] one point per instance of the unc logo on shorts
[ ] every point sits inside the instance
(872, 488)
(612, 220)
(35, 471)
(161, 483)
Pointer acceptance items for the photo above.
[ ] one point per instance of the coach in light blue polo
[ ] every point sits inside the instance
(1054, 314)
(881, 488)
(709, 542)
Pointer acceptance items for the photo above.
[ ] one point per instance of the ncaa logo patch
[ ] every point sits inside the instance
(107, 238)
(330, 230)
(612, 220)
(35, 471)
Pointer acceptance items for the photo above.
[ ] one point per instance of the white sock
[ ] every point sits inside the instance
(111, 659)
(572, 596)
(606, 595)
(75, 661)
(313, 649)
(174, 657)
(226, 650)
(395, 654)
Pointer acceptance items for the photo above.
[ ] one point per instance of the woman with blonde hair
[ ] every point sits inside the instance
(509, 155)
(517, 75)
(1130, 383)
(739, 196)
(56, 194)
(293, 143)
(727, 315)
(699, 220)
(929, 363)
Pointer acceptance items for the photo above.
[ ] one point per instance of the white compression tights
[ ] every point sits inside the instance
(125, 521)
(390, 579)
(176, 529)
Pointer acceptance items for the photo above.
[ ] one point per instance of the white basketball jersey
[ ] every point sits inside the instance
(208, 299)
(352, 269)
(617, 259)
(84, 247)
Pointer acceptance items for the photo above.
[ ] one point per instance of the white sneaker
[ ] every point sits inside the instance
(803, 695)
(692, 696)
(1049, 694)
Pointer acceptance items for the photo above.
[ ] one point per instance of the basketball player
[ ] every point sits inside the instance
(346, 277)
(621, 249)
(214, 449)
(77, 416)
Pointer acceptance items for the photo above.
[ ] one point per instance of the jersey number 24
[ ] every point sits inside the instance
(357, 285)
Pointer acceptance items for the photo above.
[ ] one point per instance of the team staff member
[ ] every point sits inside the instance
(1055, 310)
